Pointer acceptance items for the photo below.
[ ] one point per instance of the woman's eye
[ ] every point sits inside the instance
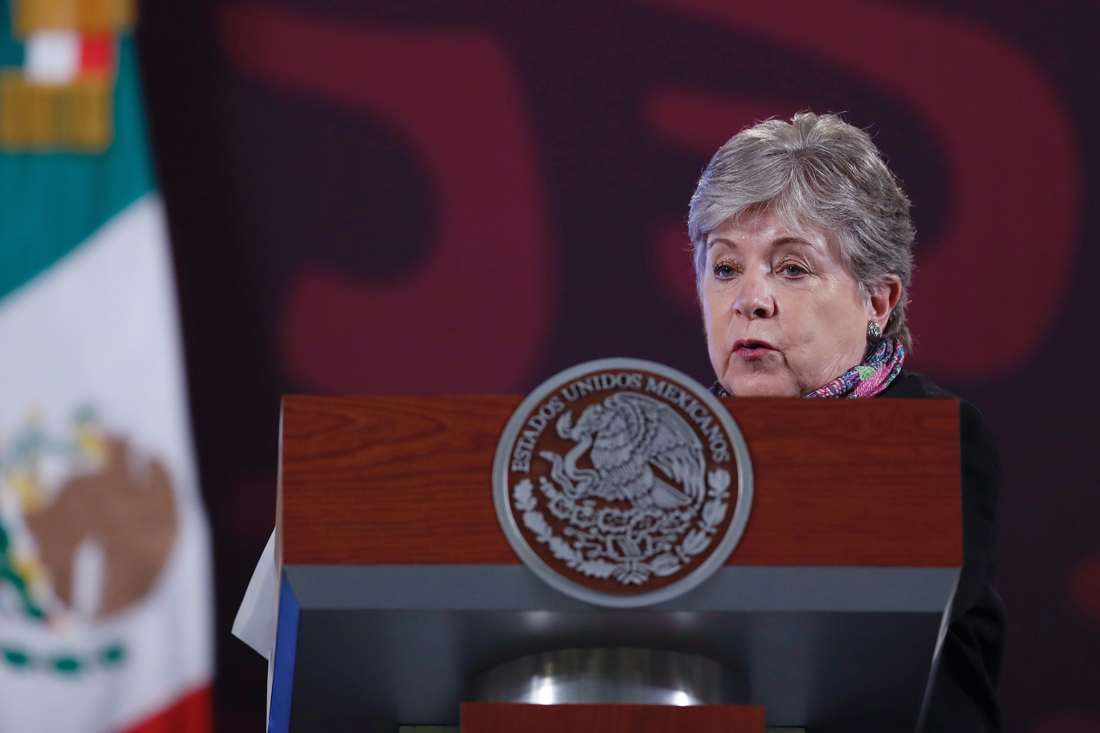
(724, 271)
(792, 270)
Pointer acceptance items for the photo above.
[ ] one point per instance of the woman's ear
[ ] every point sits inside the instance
(884, 297)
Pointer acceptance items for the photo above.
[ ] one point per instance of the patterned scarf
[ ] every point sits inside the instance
(867, 379)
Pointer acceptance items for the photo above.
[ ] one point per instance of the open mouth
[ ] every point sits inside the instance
(752, 348)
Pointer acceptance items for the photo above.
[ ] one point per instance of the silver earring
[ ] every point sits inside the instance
(873, 331)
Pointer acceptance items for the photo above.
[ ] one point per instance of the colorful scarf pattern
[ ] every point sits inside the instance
(867, 379)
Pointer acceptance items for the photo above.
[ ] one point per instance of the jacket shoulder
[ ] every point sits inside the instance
(974, 431)
(910, 385)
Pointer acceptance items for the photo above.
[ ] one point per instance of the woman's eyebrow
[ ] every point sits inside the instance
(722, 240)
(792, 239)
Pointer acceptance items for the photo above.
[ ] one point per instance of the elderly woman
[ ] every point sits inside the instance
(802, 242)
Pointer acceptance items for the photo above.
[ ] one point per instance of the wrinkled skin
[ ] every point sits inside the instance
(783, 315)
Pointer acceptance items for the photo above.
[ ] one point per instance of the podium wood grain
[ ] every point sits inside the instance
(407, 480)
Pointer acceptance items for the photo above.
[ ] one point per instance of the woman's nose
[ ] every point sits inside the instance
(754, 299)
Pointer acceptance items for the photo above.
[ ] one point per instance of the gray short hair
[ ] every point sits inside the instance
(820, 171)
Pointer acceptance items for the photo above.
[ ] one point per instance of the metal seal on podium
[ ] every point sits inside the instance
(622, 482)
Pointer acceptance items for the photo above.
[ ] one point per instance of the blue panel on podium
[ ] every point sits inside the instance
(286, 649)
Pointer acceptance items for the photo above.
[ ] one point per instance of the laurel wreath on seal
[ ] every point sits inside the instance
(627, 545)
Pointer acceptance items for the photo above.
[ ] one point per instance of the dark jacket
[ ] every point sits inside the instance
(964, 691)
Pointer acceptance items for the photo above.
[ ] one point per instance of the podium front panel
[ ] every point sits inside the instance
(403, 585)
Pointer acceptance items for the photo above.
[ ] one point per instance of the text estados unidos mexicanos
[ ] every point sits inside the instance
(693, 408)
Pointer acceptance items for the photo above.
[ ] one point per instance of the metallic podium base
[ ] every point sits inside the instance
(837, 650)
(617, 675)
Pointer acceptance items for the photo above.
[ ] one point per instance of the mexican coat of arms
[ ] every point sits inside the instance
(622, 482)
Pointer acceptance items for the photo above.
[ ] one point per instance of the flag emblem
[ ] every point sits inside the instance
(60, 96)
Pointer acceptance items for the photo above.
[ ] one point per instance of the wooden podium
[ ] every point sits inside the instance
(398, 585)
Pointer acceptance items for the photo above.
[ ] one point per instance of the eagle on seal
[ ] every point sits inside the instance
(628, 434)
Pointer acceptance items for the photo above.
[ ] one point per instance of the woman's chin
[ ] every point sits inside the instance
(761, 385)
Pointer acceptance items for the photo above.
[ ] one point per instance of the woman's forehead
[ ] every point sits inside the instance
(767, 228)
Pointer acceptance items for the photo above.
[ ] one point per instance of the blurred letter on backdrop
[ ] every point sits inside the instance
(105, 595)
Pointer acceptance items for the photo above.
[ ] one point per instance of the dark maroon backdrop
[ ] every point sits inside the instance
(426, 195)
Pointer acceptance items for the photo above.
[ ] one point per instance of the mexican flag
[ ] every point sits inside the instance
(105, 589)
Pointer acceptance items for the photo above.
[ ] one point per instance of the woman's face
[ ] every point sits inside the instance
(783, 315)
